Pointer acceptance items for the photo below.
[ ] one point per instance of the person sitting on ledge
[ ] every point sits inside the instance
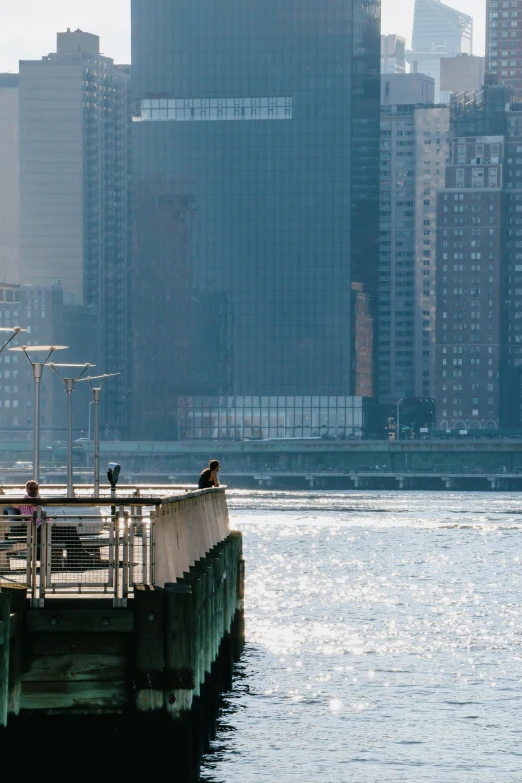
(209, 476)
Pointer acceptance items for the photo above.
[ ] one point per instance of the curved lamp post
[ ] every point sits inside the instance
(96, 391)
(69, 384)
(15, 330)
(37, 368)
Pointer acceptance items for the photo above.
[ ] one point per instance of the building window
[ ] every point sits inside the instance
(204, 109)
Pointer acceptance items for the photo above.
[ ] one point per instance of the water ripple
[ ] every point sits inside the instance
(384, 640)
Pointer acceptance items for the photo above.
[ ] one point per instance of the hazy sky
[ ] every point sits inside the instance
(29, 26)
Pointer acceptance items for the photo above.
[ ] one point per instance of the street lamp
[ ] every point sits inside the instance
(69, 384)
(96, 391)
(37, 368)
(15, 330)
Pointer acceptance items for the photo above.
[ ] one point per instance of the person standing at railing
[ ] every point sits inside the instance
(30, 510)
(209, 476)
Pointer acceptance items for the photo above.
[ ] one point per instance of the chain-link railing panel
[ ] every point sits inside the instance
(15, 548)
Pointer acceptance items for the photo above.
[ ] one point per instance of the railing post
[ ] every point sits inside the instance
(145, 532)
(110, 581)
(34, 553)
(116, 559)
(43, 559)
(29, 553)
(125, 558)
(49, 527)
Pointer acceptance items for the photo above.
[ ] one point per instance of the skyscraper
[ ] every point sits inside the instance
(414, 147)
(437, 24)
(504, 44)
(9, 191)
(438, 31)
(256, 166)
(74, 192)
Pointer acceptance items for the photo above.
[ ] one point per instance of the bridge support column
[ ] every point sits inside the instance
(449, 483)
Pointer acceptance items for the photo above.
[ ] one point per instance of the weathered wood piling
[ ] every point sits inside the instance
(146, 657)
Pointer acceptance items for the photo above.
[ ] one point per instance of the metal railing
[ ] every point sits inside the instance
(68, 549)
(104, 546)
(85, 491)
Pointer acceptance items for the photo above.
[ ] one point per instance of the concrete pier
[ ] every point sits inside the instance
(85, 649)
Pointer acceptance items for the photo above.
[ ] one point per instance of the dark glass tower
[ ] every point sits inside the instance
(256, 188)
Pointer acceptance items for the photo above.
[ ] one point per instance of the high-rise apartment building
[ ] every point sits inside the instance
(74, 189)
(479, 273)
(504, 44)
(256, 166)
(414, 146)
(439, 31)
(393, 54)
(9, 189)
(470, 277)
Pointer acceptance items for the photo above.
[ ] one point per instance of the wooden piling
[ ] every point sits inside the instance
(149, 640)
(5, 639)
(18, 596)
(179, 660)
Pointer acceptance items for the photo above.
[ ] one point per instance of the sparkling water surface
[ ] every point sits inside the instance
(384, 640)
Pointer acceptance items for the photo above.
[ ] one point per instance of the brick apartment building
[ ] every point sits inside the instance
(479, 282)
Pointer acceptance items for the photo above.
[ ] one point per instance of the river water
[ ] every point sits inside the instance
(384, 640)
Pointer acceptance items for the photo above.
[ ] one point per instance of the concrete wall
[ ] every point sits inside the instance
(407, 88)
(461, 74)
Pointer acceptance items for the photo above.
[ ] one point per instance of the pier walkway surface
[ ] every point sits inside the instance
(115, 606)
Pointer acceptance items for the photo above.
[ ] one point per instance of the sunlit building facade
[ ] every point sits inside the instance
(74, 192)
(414, 150)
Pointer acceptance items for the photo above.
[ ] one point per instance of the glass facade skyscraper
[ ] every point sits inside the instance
(439, 31)
(256, 190)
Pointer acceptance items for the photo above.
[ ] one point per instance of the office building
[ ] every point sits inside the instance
(439, 31)
(393, 54)
(462, 73)
(414, 146)
(256, 166)
(504, 44)
(9, 190)
(74, 191)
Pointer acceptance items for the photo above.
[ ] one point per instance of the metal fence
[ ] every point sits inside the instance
(88, 551)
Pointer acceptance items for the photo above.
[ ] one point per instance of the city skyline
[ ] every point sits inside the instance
(112, 24)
